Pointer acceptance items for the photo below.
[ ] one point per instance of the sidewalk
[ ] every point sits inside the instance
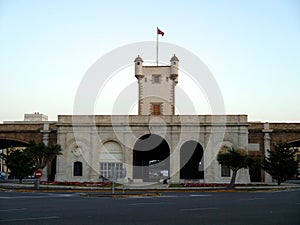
(150, 187)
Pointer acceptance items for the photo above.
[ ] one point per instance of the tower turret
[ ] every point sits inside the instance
(156, 87)
(138, 67)
(174, 69)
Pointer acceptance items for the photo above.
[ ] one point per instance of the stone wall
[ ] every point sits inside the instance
(269, 134)
(90, 133)
(24, 132)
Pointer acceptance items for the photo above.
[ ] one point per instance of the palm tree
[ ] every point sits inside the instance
(42, 155)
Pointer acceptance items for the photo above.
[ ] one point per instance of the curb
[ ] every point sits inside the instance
(121, 195)
(76, 189)
(150, 191)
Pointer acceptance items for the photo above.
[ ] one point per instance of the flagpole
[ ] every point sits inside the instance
(156, 46)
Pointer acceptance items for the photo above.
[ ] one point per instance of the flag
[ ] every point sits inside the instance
(160, 32)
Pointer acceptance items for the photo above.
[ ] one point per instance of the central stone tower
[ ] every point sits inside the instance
(156, 87)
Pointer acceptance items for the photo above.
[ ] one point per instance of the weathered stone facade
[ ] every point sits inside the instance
(100, 130)
(91, 133)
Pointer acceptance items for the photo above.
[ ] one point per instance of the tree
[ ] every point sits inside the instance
(281, 163)
(235, 160)
(42, 155)
(19, 162)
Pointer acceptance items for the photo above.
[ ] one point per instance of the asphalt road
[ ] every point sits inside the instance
(280, 208)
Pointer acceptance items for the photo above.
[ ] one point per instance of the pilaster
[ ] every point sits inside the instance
(267, 146)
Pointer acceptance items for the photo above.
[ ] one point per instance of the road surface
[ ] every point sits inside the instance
(281, 207)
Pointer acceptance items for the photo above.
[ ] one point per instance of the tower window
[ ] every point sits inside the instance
(156, 108)
(156, 79)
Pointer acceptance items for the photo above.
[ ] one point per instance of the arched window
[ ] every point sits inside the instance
(77, 169)
(111, 155)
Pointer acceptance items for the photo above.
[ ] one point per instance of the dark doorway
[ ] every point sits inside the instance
(52, 169)
(77, 170)
(191, 161)
(296, 146)
(151, 158)
(255, 174)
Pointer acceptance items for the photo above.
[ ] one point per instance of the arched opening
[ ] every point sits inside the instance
(6, 144)
(191, 161)
(151, 159)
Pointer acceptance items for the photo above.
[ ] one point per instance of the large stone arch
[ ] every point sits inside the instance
(11, 142)
(5, 145)
(295, 143)
(151, 158)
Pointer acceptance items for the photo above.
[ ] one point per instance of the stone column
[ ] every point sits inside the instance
(209, 156)
(94, 156)
(128, 163)
(174, 156)
(128, 143)
(61, 159)
(46, 132)
(267, 146)
(243, 175)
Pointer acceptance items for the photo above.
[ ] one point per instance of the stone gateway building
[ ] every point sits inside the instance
(152, 146)
(183, 148)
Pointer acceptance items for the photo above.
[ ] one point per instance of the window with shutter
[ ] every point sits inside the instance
(156, 109)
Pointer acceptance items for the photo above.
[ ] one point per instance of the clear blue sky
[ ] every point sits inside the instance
(252, 47)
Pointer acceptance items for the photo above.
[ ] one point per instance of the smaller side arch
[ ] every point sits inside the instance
(191, 160)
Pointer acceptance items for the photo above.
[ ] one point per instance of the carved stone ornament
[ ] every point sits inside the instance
(77, 151)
